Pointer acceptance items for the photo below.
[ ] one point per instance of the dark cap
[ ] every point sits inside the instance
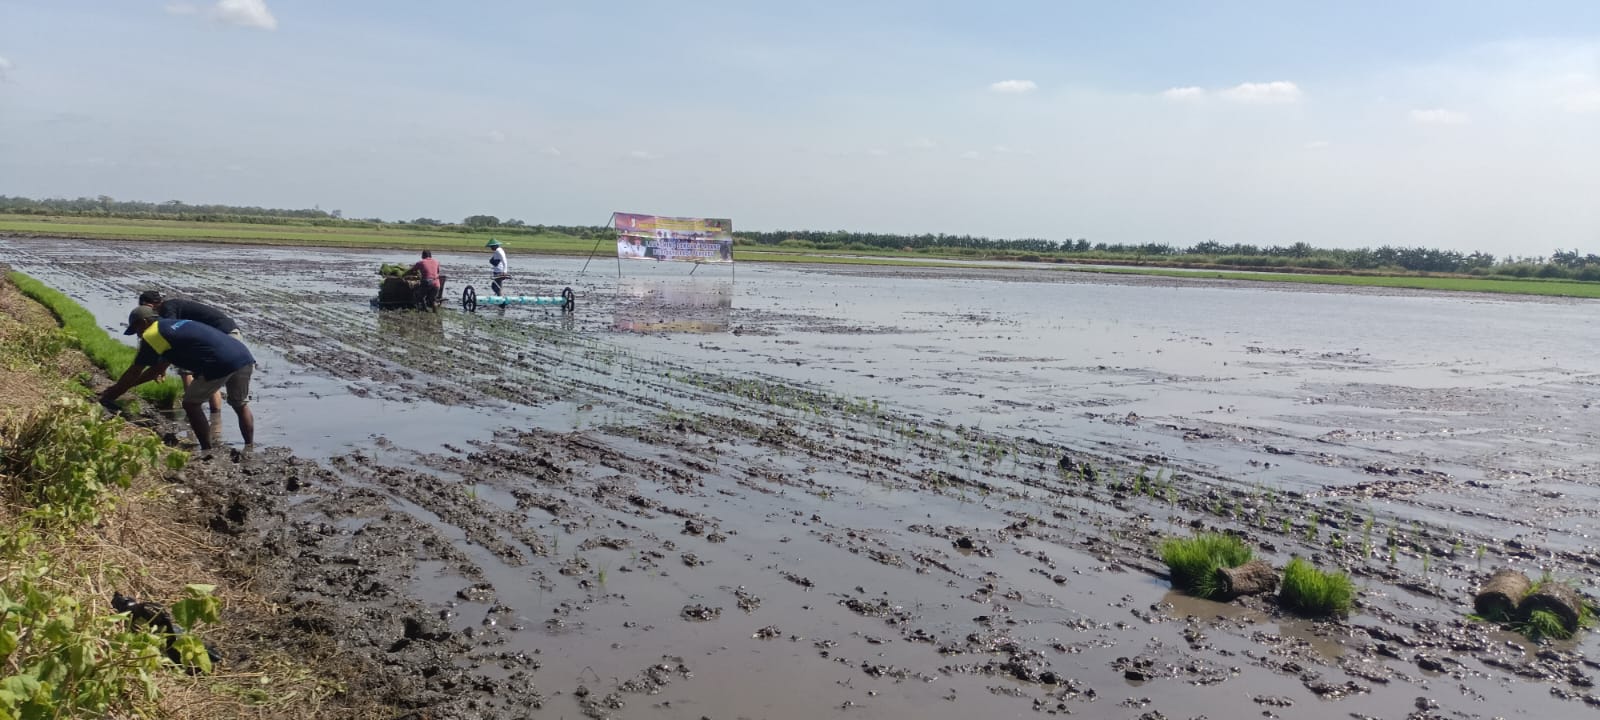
(149, 297)
(140, 316)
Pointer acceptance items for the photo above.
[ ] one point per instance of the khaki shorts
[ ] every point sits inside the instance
(236, 382)
(187, 373)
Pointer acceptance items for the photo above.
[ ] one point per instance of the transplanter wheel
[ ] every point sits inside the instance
(469, 299)
(569, 300)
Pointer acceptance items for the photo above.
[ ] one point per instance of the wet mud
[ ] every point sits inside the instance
(923, 494)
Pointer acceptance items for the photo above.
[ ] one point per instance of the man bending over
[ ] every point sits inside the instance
(181, 309)
(218, 362)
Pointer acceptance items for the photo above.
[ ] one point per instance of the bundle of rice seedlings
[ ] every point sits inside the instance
(1314, 592)
(1193, 561)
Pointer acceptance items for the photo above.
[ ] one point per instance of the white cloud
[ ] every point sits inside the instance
(1276, 92)
(643, 155)
(1008, 150)
(1439, 116)
(1317, 145)
(878, 152)
(242, 13)
(970, 155)
(1184, 93)
(1013, 87)
(921, 143)
(552, 151)
(495, 136)
(5, 67)
(246, 13)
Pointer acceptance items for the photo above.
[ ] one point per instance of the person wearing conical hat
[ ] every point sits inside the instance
(497, 265)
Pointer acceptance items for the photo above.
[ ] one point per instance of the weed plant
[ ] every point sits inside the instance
(61, 460)
(1193, 561)
(64, 657)
(1314, 592)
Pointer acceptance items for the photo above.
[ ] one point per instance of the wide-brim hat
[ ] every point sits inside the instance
(492, 243)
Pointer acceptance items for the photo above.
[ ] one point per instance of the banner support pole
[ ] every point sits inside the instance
(609, 222)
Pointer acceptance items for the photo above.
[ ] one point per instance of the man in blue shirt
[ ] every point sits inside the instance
(181, 309)
(216, 359)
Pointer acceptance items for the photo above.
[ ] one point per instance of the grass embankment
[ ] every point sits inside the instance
(84, 333)
(85, 513)
(552, 243)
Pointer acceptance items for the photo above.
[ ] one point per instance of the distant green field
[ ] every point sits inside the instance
(282, 234)
(559, 244)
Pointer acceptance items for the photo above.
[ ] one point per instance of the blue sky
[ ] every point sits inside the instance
(1447, 124)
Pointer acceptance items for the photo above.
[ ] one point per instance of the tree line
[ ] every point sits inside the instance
(1561, 263)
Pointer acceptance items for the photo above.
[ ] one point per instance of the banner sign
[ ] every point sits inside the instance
(652, 237)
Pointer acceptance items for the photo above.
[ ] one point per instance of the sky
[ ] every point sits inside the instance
(1468, 126)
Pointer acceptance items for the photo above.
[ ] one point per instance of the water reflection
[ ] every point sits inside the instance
(674, 305)
(1290, 628)
(1186, 605)
(1308, 632)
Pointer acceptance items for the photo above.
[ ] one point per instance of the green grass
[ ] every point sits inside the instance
(1310, 591)
(1193, 561)
(86, 334)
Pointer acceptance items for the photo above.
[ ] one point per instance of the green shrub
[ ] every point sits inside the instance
(65, 659)
(60, 461)
(84, 333)
(1193, 561)
(1313, 592)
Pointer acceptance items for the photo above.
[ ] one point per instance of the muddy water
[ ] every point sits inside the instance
(816, 492)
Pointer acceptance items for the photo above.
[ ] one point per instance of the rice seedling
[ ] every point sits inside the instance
(1543, 624)
(1314, 592)
(80, 328)
(1193, 561)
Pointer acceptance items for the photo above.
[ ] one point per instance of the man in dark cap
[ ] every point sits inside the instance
(218, 362)
(181, 309)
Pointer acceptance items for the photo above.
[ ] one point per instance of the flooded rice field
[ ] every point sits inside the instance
(810, 492)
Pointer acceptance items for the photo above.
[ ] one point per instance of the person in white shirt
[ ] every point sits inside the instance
(498, 265)
(630, 247)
